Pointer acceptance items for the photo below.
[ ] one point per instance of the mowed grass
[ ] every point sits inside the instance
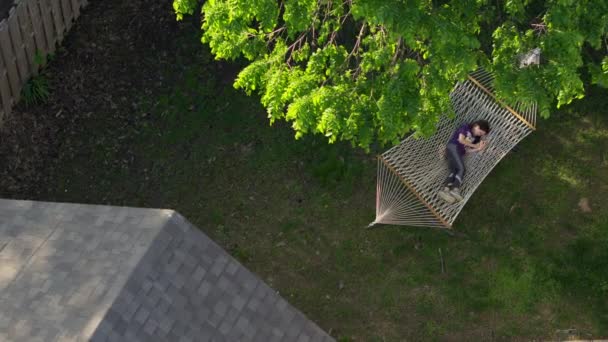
(529, 262)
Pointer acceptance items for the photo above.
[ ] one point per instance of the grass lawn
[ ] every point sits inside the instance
(529, 262)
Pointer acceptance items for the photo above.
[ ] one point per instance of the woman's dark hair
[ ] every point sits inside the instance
(483, 125)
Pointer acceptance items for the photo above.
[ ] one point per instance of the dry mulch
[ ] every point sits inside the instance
(114, 53)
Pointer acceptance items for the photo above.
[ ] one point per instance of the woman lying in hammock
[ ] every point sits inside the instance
(467, 138)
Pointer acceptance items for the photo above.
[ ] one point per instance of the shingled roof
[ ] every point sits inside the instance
(73, 272)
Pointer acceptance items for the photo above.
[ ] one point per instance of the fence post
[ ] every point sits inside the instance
(39, 37)
(27, 33)
(14, 29)
(76, 8)
(58, 20)
(9, 61)
(47, 21)
(5, 91)
(68, 14)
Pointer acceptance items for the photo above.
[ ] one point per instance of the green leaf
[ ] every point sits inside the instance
(374, 70)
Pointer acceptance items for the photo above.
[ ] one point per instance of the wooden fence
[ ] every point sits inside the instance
(32, 27)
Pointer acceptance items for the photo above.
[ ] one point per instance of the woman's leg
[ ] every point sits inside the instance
(456, 165)
(452, 167)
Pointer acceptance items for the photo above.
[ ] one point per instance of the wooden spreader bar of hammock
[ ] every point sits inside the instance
(511, 110)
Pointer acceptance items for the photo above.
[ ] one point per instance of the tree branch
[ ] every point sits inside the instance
(357, 42)
(397, 51)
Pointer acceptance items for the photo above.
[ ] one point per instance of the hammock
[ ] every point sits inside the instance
(410, 174)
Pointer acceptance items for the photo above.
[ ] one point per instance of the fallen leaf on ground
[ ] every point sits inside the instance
(583, 204)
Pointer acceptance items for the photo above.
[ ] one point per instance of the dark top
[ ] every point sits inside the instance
(468, 134)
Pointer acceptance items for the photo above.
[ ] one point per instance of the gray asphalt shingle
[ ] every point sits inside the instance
(73, 272)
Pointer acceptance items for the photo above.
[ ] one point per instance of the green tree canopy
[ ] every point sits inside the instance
(373, 70)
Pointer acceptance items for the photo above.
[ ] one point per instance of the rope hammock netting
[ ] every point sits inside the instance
(410, 174)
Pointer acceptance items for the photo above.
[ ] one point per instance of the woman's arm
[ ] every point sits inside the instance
(477, 147)
(463, 140)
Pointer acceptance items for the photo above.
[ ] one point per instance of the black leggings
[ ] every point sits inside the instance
(456, 166)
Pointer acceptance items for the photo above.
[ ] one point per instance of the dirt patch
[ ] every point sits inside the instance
(115, 50)
(584, 206)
